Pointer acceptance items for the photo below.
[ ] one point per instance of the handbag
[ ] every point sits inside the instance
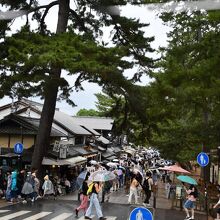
(8, 195)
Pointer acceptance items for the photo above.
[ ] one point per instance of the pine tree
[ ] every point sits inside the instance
(32, 60)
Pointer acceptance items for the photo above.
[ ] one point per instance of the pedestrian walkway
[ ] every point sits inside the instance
(120, 197)
(107, 217)
(31, 215)
(3, 203)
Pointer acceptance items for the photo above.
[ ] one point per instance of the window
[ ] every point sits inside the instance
(79, 140)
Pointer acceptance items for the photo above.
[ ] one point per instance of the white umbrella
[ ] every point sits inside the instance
(110, 164)
(101, 176)
(137, 171)
(93, 162)
(115, 160)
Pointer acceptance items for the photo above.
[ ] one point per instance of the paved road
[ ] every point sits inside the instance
(63, 210)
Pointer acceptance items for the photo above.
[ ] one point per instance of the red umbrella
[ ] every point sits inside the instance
(174, 168)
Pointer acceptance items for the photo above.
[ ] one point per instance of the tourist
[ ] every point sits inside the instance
(47, 187)
(190, 203)
(97, 187)
(217, 205)
(14, 186)
(84, 199)
(133, 190)
(147, 187)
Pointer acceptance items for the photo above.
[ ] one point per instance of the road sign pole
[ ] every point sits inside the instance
(203, 161)
(206, 194)
(154, 201)
(140, 213)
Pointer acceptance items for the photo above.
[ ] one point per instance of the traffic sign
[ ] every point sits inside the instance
(140, 213)
(18, 148)
(203, 159)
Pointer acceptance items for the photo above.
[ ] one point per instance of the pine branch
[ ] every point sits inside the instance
(43, 6)
(79, 20)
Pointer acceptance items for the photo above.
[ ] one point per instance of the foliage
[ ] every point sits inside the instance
(87, 112)
(31, 60)
(28, 55)
(187, 86)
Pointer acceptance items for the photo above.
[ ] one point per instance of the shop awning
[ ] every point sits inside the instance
(116, 149)
(49, 161)
(69, 161)
(108, 153)
(103, 140)
(129, 151)
(76, 160)
(111, 158)
(101, 148)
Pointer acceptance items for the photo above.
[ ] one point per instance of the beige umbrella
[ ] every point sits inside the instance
(175, 168)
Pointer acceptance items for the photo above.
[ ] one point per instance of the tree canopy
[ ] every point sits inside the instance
(33, 59)
(87, 112)
(187, 86)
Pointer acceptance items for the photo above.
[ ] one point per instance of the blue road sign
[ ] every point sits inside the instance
(18, 148)
(140, 213)
(203, 159)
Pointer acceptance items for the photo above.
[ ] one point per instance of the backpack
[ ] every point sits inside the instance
(145, 185)
(90, 188)
(195, 193)
(108, 185)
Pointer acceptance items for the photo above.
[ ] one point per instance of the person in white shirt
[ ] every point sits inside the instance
(67, 185)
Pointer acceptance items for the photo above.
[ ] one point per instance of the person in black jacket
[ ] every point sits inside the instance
(147, 187)
(3, 184)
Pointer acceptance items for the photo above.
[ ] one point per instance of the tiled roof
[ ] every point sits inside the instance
(68, 122)
(83, 150)
(12, 123)
(97, 123)
(108, 153)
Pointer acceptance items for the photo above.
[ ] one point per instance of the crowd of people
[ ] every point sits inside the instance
(23, 186)
(134, 176)
(137, 176)
(139, 179)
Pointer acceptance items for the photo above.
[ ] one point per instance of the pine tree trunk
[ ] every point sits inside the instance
(51, 91)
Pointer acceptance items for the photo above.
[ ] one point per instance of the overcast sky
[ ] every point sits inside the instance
(86, 98)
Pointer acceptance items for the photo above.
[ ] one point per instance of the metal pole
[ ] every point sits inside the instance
(206, 195)
(206, 203)
(154, 201)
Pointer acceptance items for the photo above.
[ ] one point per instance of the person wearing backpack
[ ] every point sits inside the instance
(147, 187)
(190, 203)
(94, 201)
(106, 191)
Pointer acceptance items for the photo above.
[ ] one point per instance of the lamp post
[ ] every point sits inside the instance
(218, 153)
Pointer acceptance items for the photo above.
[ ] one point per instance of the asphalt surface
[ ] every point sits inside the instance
(60, 210)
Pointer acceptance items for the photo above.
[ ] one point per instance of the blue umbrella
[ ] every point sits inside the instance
(187, 179)
(80, 179)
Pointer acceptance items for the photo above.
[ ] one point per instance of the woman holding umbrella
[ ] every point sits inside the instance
(95, 202)
(190, 203)
(97, 178)
(192, 193)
